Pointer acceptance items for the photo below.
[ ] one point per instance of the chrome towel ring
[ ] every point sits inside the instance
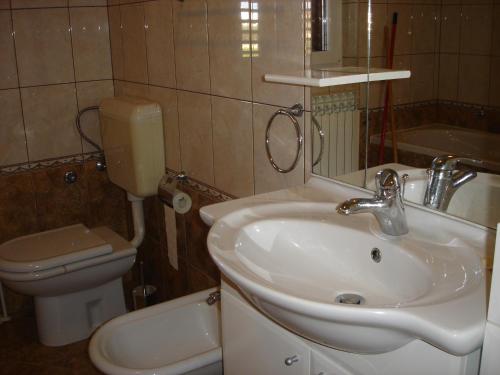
(295, 111)
(321, 138)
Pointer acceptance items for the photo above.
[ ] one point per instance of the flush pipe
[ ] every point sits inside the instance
(4, 316)
(138, 219)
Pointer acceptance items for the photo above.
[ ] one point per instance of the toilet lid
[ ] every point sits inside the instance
(53, 248)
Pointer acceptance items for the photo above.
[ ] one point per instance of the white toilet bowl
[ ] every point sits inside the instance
(74, 275)
(177, 337)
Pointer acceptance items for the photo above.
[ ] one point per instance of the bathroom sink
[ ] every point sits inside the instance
(483, 209)
(339, 281)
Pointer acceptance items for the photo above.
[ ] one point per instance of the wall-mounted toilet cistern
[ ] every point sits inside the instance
(387, 204)
(444, 180)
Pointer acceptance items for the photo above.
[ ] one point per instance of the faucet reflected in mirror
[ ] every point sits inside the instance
(443, 109)
(444, 180)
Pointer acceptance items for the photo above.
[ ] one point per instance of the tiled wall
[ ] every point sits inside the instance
(55, 60)
(452, 48)
(196, 270)
(203, 61)
(39, 200)
(469, 55)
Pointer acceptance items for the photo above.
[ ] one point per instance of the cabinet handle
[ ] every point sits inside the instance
(291, 360)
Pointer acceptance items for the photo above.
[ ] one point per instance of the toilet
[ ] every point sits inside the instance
(74, 273)
(181, 336)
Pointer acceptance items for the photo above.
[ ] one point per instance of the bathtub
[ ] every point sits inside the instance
(441, 139)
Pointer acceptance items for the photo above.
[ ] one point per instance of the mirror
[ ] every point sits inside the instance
(449, 106)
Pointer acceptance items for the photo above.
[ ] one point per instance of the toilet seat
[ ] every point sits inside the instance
(54, 252)
(53, 248)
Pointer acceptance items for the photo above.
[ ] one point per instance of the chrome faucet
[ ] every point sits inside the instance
(444, 180)
(387, 204)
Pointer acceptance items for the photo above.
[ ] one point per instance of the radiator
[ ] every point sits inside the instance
(336, 117)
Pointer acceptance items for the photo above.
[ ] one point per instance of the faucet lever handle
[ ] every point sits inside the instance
(387, 180)
(449, 162)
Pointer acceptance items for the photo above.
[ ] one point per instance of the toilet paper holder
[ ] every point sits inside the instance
(171, 196)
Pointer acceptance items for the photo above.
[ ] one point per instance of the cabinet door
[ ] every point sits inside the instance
(254, 346)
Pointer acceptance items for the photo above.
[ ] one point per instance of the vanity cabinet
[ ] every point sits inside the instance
(254, 344)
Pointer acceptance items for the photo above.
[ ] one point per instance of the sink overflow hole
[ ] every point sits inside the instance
(350, 299)
(376, 255)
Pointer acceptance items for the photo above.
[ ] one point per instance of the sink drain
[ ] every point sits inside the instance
(350, 299)
(376, 255)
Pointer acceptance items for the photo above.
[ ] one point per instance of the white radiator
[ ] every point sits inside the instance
(337, 117)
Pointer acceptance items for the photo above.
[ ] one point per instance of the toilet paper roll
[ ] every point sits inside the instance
(181, 202)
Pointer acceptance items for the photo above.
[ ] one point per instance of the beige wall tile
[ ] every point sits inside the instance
(448, 77)
(115, 36)
(230, 64)
(49, 115)
(38, 3)
(8, 70)
(233, 146)
(450, 28)
(277, 46)
(167, 98)
(379, 21)
(401, 87)
(76, 3)
(422, 78)
(91, 49)
(139, 90)
(350, 29)
(12, 136)
(4, 4)
(475, 2)
(43, 46)
(425, 28)
(495, 82)
(435, 85)
(283, 148)
(475, 34)
(405, 33)
(192, 67)
(134, 43)
(195, 127)
(473, 86)
(91, 94)
(495, 42)
(160, 43)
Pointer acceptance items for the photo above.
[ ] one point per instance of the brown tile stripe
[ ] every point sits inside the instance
(203, 188)
(82, 158)
(40, 164)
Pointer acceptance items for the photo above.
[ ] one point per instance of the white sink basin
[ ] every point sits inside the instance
(294, 260)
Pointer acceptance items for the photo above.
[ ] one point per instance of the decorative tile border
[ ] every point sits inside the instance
(477, 107)
(48, 163)
(407, 105)
(202, 187)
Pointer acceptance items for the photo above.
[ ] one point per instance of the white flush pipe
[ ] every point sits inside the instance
(4, 316)
(138, 218)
